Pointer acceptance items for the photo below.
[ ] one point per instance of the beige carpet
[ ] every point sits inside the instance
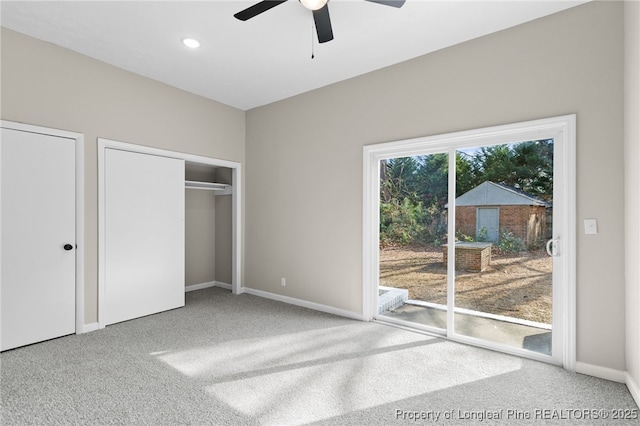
(230, 360)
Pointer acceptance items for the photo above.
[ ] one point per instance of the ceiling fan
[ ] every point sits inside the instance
(320, 9)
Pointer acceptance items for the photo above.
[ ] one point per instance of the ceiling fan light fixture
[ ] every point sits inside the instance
(314, 4)
(191, 43)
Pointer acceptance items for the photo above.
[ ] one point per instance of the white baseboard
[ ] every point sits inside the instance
(223, 285)
(200, 286)
(634, 389)
(87, 328)
(303, 303)
(601, 372)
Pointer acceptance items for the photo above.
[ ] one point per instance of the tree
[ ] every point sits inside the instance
(401, 212)
(398, 178)
(464, 173)
(432, 179)
(527, 166)
(534, 167)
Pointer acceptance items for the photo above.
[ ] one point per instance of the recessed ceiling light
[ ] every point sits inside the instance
(191, 42)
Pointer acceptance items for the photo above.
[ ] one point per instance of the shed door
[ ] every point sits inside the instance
(487, 218)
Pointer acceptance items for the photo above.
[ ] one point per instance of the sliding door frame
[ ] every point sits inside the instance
(563, 130)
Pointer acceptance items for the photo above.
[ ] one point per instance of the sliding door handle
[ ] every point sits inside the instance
(552, 247)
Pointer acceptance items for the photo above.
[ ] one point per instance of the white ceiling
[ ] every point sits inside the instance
(267, 58)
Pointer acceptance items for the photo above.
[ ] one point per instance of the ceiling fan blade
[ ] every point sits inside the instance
(323, 24)
(257, 9)
(394, 3)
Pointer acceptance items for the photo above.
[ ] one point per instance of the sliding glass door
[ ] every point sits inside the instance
(472, 241)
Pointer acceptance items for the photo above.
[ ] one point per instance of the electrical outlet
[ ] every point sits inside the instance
(283, 282)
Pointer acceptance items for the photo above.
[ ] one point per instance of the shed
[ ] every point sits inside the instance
(494, 208)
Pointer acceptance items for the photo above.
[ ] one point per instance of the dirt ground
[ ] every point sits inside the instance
(514, 286)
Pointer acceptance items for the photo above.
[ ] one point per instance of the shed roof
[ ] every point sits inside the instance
(493, 194)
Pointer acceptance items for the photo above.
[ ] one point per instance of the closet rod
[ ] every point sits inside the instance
(210, 186)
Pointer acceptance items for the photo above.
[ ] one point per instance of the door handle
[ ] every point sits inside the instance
(67, 247)
(552, 247)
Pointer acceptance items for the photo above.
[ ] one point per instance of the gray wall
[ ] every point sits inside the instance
(632, 188)
(200, 236)
(46, 85)
(304, 176)
(224, 239)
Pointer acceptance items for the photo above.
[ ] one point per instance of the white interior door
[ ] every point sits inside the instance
(38, 220)
(144, 234)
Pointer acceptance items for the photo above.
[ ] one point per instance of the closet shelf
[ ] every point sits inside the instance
(210, 186)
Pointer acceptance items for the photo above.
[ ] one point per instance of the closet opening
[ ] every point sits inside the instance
(168, 222)
(208, 226)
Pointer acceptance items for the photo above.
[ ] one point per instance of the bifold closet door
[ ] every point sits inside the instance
(38, 260)
(144, 234)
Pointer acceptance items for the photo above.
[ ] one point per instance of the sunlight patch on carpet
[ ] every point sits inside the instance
(319, 392)
(301, 377)
(275, 351)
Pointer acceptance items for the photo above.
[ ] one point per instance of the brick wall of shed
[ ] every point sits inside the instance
(525, 222)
